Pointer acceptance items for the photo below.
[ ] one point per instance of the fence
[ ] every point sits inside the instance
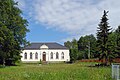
(116, 71)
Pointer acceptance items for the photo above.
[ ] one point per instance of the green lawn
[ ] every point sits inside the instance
(77, 71)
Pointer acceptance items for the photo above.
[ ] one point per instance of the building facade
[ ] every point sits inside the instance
(50, 52)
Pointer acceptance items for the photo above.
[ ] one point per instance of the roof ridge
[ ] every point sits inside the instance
(51, 45)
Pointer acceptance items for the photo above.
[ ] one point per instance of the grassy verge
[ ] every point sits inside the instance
(62, 71)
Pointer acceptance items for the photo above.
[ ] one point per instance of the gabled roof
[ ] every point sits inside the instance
(36, 46)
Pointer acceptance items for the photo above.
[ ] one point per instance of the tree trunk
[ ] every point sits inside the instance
(106, 60)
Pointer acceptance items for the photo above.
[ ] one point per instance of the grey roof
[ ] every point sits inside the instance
(36, 46)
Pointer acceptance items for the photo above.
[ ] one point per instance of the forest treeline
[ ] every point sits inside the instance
(104, 45)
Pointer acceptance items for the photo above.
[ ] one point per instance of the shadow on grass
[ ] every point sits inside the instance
(4, 66)
(99, 65)
(1, 66)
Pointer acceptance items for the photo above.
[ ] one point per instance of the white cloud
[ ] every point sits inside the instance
(75, 17)
(68, 16)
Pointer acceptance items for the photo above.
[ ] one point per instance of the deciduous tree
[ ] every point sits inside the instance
(118, 41)
(14, 34)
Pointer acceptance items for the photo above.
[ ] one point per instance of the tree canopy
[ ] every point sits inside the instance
(12, 31)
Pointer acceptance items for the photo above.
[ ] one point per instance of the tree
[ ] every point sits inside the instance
(15, 29)
(118, 41)
(68, 44)
(6, 43)
(112, 46)
(87, 46)
(74, 50)
(73, 55)
(73, 46)
(83, 46)
(102, 38)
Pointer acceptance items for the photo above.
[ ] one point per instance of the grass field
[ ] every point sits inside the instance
(76, 71)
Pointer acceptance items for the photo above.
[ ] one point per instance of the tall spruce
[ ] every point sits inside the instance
(102, 38)
(13, 31)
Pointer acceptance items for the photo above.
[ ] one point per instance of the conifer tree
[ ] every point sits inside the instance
(102, 38)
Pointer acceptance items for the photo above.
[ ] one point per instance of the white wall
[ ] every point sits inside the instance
(66, 55)
(28, 55)
(48, 57)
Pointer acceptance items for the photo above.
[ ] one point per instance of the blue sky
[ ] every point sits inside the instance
(62, 20)
(40, 34)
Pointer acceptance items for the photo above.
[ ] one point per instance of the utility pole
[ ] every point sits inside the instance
(89, 50)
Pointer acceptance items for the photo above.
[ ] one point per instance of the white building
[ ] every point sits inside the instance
(50, 52)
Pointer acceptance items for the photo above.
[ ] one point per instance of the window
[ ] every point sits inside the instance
(62, 55)
(30, 55)
(36, 55)
(51, 55)
(57, 55)
(25, 55)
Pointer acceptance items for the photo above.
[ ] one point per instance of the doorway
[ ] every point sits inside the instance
(44, 56)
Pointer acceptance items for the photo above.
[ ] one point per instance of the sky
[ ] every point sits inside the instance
(63, 20)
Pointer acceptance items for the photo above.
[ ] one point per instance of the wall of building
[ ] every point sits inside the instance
(66, 55)
(48, 55)
(28, 55)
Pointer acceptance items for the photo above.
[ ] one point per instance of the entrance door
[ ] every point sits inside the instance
(44, 57)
